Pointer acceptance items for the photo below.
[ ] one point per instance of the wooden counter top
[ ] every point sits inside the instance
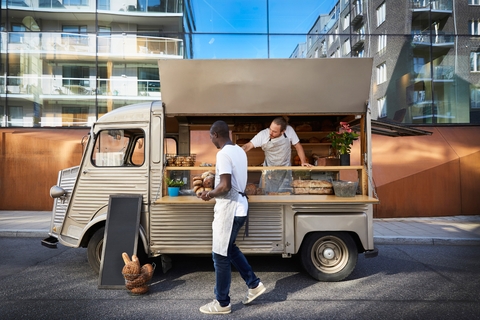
(296, 168)
(278, 199)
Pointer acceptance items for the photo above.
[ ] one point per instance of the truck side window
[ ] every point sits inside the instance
(118, 148)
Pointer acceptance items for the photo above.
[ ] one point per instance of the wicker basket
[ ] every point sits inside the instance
(139, 285)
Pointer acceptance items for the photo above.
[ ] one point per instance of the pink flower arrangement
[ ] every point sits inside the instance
(343, 139)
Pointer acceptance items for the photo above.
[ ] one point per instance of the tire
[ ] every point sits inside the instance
(94, 249)
(344, 255)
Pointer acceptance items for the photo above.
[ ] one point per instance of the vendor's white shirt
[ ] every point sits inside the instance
(264, 136)
(233, 160)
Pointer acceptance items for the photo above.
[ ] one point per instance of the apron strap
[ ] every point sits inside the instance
(248, 214)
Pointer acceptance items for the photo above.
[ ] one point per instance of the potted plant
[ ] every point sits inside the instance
(173, 186)
(342, 142)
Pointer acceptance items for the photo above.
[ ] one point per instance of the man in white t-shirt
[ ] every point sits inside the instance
(275, 142)
(230, 214)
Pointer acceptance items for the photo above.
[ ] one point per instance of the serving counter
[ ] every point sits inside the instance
(188, 172)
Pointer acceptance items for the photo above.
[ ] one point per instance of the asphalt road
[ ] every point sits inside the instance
(403, 282)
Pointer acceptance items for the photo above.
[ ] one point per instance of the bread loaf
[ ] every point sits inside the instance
(251, 189)
(195, 189)
(279, 193)
(311, 184)
(208, 181)
(208, 189)
(197, 183)
(131, 270)
(140, 290)
(147, 271)
(125, 257)
(195, 178)
(314, 140)
(303, 128)
(199, 191)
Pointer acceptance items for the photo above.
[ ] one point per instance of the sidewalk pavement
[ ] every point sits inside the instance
(456, 230)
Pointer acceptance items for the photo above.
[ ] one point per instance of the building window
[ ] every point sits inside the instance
(346, 47)
(330, 39)
(70, 39)
(346, 21)
(382, 73)
(474, 2)
(17, 37)
(475, 98)
(381, 14)
(475, 61)
(382, 42)
(382, 107)
(474, 27)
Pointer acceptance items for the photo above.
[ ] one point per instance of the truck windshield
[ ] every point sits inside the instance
(119, 147)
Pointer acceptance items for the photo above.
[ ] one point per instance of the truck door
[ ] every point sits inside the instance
(115, 162)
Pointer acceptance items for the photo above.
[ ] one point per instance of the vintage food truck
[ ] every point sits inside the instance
(125, 154)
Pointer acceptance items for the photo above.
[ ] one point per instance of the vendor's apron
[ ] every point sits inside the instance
(224, 213)
(278, 153)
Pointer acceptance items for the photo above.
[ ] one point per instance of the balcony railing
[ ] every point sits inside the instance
(444, 5)
(443, 72)
(112, 45)
(58, 85)
(436, 38)
(134, 7)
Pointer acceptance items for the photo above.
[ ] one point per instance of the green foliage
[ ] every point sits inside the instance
(342, 140)
(174, 183)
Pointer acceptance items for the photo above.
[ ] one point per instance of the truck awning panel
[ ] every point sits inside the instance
(266, 86)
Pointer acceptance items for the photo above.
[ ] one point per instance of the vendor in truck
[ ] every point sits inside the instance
(275, 142)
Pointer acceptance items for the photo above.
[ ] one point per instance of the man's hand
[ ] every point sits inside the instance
(306, 164)
(204, 196)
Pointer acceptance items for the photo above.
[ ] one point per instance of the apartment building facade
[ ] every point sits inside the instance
(65, 63)
(426, 73)
(426, 56)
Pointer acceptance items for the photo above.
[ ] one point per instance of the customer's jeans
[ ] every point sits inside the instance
(223, 270)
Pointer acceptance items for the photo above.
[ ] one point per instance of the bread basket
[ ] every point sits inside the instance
(139, 283)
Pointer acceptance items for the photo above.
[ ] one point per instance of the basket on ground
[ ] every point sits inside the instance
(138, 284)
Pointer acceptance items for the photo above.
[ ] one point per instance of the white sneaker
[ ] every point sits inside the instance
(252, 294)
(214, 307)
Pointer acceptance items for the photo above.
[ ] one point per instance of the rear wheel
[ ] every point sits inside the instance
(329, 256)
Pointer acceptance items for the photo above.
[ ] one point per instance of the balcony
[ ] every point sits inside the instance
(434, 5)
(443, 73)
(128, 7)
(357, 41)
(439, 39)
(59, 88)
(438, 9)
(72, 46)
(357, 11)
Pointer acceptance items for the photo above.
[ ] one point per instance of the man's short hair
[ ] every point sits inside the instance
(282, 122)
(221, 128)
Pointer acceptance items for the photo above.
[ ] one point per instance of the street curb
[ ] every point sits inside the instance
(24, 233)
(439, 241)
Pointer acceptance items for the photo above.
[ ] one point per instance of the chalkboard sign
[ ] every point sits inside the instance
(121, 235)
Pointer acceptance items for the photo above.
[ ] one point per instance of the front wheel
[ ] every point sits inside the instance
(94, 249)
(329, 256)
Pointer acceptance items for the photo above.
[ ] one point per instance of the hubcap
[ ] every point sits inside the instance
(329, 254)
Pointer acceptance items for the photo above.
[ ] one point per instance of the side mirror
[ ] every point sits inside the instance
(57, 192)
